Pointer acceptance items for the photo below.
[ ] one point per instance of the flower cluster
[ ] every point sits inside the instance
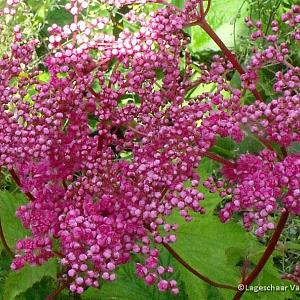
(99, 206)
(108, 145)
(277, 121)
(263, 185)
(260, 185)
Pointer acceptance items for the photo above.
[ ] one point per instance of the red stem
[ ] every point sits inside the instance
(284, 151)
(3, 240)
(207, 7)
(58, 254)
(93, 92)
(18, 182)
(268, 252)
(219, 159)
(244, 269)
(75, 20)
(230, 56)
(65, 184)
(196, 273)
(55, 293)
(201, 8)
(269, 146)
(266, 143)
(15, 177)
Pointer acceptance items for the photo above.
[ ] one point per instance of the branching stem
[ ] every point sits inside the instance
(55, 293)
(219, 159)
(195, 272)
(230, 56)
(268, 252)
(18, 182)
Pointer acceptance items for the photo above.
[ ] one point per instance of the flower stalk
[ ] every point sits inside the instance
(230, 56)
(266, 255)
(195, 272)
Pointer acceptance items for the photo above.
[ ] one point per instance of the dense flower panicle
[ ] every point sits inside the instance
(260, 182)
(103, 208)
(277, 121)
(108, 145)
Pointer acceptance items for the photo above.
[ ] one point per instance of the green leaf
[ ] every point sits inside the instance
(44, 77)
(235, 81)
(293, 246)
(178, 3)
(58, 16)
(206, 168)
(35, 4)
(250, 144)
(5, 262)
(40, 290)
(226, 18)
(295, 148)
(12, 227)
(202, 88)
(96, 85)
(227, 148)
(18, 282)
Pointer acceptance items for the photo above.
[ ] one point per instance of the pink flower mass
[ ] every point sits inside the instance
(108, 146)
